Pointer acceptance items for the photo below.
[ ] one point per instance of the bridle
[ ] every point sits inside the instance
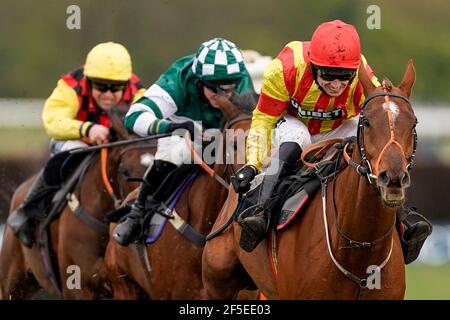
(227, 125)
(366, 169)
(117, 197)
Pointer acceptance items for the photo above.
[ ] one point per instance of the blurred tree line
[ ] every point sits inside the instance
(36, 47)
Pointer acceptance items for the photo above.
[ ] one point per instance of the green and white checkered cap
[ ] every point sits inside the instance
(218, 59)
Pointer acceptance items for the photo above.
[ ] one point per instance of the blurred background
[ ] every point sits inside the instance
(37, 47)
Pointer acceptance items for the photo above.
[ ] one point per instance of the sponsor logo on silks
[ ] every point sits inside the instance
(319, 115)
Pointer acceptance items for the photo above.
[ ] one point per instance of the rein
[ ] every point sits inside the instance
(106, 183)
(361, 282)
(119, 143)
(203, 165)
(328, 146)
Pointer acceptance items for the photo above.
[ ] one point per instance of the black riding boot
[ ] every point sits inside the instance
(414, 229)
(254, 226)
(129, 228)
(24, 219)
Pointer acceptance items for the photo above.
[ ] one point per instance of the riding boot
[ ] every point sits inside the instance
(24, 219)
(129, 228)
(254, 226)
(413, 229)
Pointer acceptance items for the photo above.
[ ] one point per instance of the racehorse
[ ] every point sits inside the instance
(345, 245)
(170, 268)
(79, 236)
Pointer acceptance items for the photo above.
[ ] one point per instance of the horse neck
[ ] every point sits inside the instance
(206, 198)
(92, 192)
(360, 215)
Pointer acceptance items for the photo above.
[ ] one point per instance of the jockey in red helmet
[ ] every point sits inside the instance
(310, 92)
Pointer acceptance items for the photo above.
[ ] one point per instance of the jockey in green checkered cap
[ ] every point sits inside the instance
(218, 60)
(195, 89)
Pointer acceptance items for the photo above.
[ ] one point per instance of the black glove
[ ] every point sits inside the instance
(242, 178)
(188, 125)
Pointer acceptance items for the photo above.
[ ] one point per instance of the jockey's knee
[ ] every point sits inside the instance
(289, 152)
(175, 151)
(61, 146)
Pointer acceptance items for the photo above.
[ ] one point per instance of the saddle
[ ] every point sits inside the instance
(159, 207)
(60, 175)
(292, 193)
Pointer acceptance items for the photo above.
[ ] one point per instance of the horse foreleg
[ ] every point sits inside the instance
(125, 288)
(222, 273)
(118, 273)
(15, 281)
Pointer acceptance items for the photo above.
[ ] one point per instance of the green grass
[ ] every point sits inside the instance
(16, 142)
(428, 282)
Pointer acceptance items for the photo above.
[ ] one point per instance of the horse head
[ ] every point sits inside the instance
(235, 130)
(131, 160)
(386, 135)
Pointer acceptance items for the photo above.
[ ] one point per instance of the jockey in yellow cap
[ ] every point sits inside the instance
(74, 114)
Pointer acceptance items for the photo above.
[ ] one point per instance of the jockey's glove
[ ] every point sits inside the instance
(188, 125)
(242, 178)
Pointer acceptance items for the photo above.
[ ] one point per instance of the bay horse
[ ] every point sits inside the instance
(170, 268)
(78, 238)
(322, 257)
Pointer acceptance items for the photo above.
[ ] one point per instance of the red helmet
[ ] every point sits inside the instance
(335, 44)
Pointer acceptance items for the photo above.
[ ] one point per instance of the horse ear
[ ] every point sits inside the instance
(364, 79)
(408, 79)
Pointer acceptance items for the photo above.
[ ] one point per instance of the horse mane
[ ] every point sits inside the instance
(118, 130)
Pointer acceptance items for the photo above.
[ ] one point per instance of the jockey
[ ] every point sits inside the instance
(74, 114)
(194, 88)
(310, 92)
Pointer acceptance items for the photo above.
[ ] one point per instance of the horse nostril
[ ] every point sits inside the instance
(384, 178)
(405, 179)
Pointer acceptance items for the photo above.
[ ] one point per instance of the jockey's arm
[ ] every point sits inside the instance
(260, 137)
(272, 105)
(370, 71)
(148, 114)
(59, 113)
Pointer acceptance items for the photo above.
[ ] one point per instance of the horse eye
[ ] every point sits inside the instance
(124, 171)
(366, 122)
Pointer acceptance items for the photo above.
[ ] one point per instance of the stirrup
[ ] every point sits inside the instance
(251, 237)
(418, 228)
(22, 227)
(129, 230)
